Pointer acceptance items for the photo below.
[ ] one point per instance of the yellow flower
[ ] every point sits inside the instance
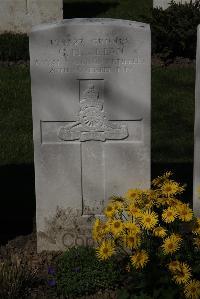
(131, 240)
(197, 242)
(170, 188)
(132, 194)
(149, 205)
(147, 199)
(184, 212)
(132, 210)
(160, 202)
(196, 230)
(116, 227)
(118, 206)
(99, 230)
(173, 266)
(198, 221)
(152, 195)
(192, 289)
(160, 232)
(169, 215)
(182, 273)
(110, 211)
(171, 244)
(139, 259)
(128, 268)
(160, 179)
(132, 227)
(173, 202)
(105, 250)
(149, 219)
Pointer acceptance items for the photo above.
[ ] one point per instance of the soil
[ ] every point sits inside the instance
(23, 248)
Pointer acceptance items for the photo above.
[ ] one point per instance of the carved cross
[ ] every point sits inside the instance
(93, 130)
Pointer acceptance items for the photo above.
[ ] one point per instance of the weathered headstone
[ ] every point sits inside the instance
(20, 15)
(196, 181)
(164, 4)
(91, 121)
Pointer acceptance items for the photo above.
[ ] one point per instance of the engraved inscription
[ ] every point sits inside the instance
(81, 238)
(67, 228)
(92, 123)
(96, 55)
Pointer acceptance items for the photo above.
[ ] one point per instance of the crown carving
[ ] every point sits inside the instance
(90, 98)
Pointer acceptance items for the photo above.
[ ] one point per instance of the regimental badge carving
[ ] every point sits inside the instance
(92, 123)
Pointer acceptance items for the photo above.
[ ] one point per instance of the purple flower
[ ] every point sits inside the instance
(51, 271)
(76, 269)
(51, 282)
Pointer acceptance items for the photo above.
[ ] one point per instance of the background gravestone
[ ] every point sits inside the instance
(21, 15)
(164, 4)
(91, 121)
(196, 187)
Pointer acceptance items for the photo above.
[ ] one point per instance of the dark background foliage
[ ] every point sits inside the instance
(174, 30)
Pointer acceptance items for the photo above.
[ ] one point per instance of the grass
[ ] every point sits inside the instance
(172, 114)
(15, 116)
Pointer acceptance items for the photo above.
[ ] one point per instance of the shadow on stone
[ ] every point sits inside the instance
(85, 9)
(18, 195)
(17, 201)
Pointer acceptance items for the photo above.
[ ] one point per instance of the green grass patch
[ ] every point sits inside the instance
(14, 47)
(172, 114)
(15, 115)
(79, 273)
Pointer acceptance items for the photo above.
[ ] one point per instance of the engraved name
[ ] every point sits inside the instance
(100, 41)
(96, 55)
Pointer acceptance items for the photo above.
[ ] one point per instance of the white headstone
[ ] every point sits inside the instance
(196, 181)
(91, 121)
(164, 4)
(19, 16)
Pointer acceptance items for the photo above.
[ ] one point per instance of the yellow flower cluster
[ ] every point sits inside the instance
(142, 216)
(181, 272)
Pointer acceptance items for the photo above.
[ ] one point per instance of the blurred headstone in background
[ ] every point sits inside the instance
(19, 16)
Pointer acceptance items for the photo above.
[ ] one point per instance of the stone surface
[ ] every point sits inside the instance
(91, 121)
(21, 15)
(196, 181)
(164, 4)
